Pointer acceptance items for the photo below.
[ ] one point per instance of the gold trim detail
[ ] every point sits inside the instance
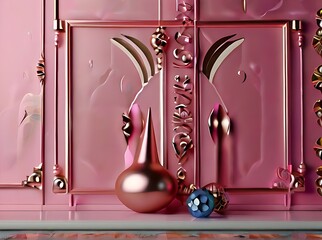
(317, 78)
(159, 41)
(60, 181)
(41, 69)
(35, 179)
(299, 178)
(298, 175)
(318, 148)
(318, 181)
(317, 107)
(244, 6)
(57, 24)
(317, 39)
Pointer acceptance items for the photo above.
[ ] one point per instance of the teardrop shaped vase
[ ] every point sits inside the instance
(146, 186)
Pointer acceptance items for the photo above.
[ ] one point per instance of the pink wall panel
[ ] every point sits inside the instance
(109, 10)
(104, 82)
(21, 98)
(266, 115)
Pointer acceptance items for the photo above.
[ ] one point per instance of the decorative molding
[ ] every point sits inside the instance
(132, 48)
(214, 56)
(317, 82)
(318, 181)
(35, 180)
(299, 178)
(299, 173)
(41, 73)
(317, 107)
(318, 148)
(183, 118)
(317, 78)
(159, 41)
(317, 39)
(59, 181)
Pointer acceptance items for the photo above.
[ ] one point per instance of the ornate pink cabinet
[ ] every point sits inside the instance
(228, 82)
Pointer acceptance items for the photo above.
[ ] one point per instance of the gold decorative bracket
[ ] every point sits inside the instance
(292, 180)
(35, 179)
(59, 182)
(298, 177)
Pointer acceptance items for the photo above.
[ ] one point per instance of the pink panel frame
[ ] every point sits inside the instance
(35, 179)
(70, 24)
(248, 191)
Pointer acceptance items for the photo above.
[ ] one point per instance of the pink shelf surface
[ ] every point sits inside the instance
(128, 220)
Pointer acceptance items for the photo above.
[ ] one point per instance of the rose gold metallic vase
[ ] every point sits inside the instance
(146, 186)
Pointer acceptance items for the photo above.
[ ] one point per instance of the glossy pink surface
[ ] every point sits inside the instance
(21, 97)
(257, 115)
(290, 221)
(264, 109)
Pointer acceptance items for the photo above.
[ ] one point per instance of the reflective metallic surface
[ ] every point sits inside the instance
(201, 203)
(318, 181)
(317, 43)
(317, 78)
(318, 111)
(218, 123)
(221, 198)
(59, 182)
(159, 41)
(299, 174)
(41, 73)
(35, 179)
(245, 6)
(318, 148)
(146, 186)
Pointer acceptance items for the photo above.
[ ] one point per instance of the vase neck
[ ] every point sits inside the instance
(147, 152)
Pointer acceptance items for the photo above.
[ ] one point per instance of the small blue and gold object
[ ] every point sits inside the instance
(201, 203)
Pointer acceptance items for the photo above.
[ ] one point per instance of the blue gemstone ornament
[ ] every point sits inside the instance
(201, 203)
